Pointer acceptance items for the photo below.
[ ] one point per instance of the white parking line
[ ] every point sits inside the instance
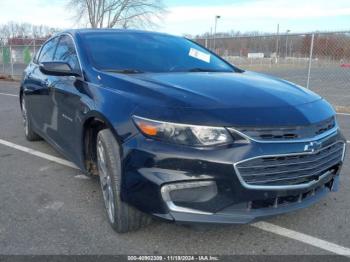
(313, 241)
(265, 226)
(38, 154)
(5, 94)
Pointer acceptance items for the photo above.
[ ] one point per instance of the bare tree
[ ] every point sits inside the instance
(25, 30)
(118, 13)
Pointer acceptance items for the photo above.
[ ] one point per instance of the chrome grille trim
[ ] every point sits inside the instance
(296, 186)
(332, 131)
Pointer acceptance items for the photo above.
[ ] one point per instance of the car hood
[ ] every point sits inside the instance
(223, 99)
(226, 90)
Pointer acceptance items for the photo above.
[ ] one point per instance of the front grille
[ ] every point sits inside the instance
(288, 133)
(291, 169)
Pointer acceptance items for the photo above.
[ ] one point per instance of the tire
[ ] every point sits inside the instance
(28, 130)
(122, 217)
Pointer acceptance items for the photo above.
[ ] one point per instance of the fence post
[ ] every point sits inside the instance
(34, 49)
(310, 61)
(11, 61)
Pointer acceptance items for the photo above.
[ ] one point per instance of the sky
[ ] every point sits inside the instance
(197, 16)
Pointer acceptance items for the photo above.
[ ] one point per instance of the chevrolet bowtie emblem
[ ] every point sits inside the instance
(312, 146)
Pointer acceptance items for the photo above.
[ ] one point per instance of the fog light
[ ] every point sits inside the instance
(188, 192)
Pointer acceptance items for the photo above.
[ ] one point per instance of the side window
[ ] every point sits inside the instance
(48, 50)
(66, 52)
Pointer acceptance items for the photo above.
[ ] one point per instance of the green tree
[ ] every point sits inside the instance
(27, 57)
(6, 56)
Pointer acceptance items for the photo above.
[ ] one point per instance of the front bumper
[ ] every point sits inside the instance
(149, 166)
(243, 213)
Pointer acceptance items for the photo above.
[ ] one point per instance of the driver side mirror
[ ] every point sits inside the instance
(57, 69)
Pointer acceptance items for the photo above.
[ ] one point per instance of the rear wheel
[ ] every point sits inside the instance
(121, 216)
(28, 131)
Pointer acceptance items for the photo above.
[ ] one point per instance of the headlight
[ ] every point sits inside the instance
(183, 134)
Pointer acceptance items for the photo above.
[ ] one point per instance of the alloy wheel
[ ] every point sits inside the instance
(25, 116)
(105, 181)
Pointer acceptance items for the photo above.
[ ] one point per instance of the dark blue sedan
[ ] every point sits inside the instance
(175, 132)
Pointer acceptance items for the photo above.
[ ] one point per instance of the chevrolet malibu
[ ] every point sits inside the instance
(175, 132)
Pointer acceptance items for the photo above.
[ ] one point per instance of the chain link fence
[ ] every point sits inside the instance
(16, 53)
(319, 61)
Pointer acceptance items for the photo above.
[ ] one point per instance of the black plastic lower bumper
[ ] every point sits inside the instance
(243, 213)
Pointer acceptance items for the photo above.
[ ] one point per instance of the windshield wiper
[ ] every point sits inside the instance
(124, 71)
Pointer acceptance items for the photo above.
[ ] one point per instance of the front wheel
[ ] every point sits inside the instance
(28, 130)
(122, 217)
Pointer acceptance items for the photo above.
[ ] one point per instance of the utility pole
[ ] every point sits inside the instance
(211, 37)
(11, 59)
(287, 43)
(216, 22)
(310, 61)
(277, 41)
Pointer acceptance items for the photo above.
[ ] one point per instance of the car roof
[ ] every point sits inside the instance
(109, 30)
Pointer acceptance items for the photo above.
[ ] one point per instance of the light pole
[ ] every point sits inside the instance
(211, 37)
(277, 42)
(287, 42)
(216, 22)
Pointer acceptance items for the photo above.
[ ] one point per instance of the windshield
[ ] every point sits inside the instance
(131, 52)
